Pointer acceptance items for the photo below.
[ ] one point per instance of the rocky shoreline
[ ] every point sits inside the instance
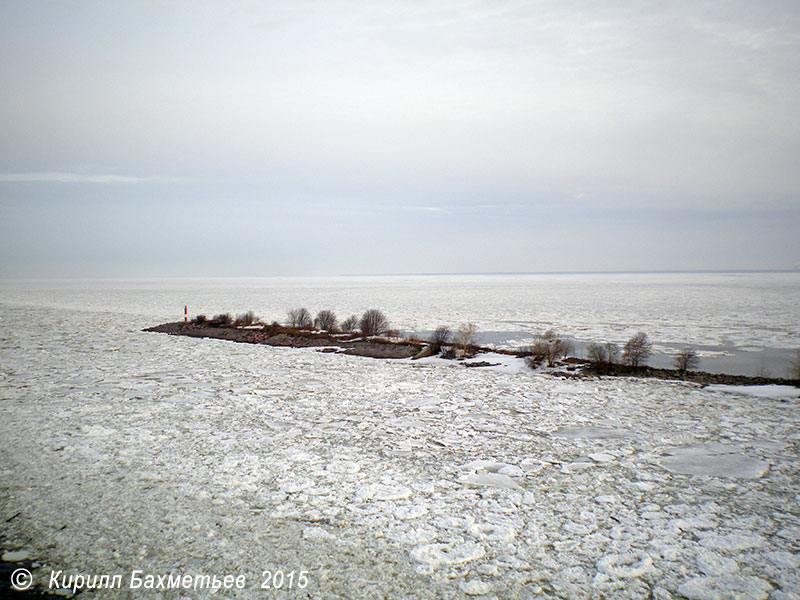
(381, 347)
(278, 335)
(701, 377)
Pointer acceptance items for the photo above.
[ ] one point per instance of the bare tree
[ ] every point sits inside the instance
(603, 356)
(547, 347)
(350, 323)
(299, 318)
(326, 320)
(596, 353)
(440, 337)
(465, 335)
(373, 322)
(637, 350)
(686, 360)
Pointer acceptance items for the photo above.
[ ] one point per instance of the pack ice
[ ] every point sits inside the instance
(386, 479)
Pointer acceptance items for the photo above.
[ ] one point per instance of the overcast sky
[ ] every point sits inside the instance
(186, 138)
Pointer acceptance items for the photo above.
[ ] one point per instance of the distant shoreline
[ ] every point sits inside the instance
(380, 347)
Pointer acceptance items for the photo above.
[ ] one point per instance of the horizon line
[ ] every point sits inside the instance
(417, 274)
(589, 272)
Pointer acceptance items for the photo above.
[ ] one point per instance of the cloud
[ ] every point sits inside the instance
(66, 177)
(510, 116)
(428, 209)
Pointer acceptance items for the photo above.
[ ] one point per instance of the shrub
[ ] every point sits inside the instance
(325, 320)
(299, 318)
(200, 320)
(373, 322)
(533, 361)
(246, 319)
(440, 336)
(350, 323)
(465, 335)
(686, 360)
(637, 350)
(222, 320)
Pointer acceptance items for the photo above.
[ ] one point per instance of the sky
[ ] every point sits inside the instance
(243, 138)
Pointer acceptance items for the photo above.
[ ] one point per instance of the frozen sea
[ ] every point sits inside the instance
(740, 323)
(123, 450)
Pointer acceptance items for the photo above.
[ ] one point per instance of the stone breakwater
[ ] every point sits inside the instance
(277, 335)
(379, 347)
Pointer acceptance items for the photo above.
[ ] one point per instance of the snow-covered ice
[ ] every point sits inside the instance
(385, 478)
(726, 587)
(759, 391)
(713, 459)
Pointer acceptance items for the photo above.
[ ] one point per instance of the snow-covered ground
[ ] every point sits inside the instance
(124, 450)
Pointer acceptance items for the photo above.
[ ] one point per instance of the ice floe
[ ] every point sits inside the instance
(475, 587)
(317, 534)
(759, 391)
(414, 511)
(627, 565)
(448, 554)
(713, 460)
(732, 542)
(490, 479)
(726, 587)
(494, 532)
(712, 564)
(383, 491)
(599, 433)
(15, 555)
